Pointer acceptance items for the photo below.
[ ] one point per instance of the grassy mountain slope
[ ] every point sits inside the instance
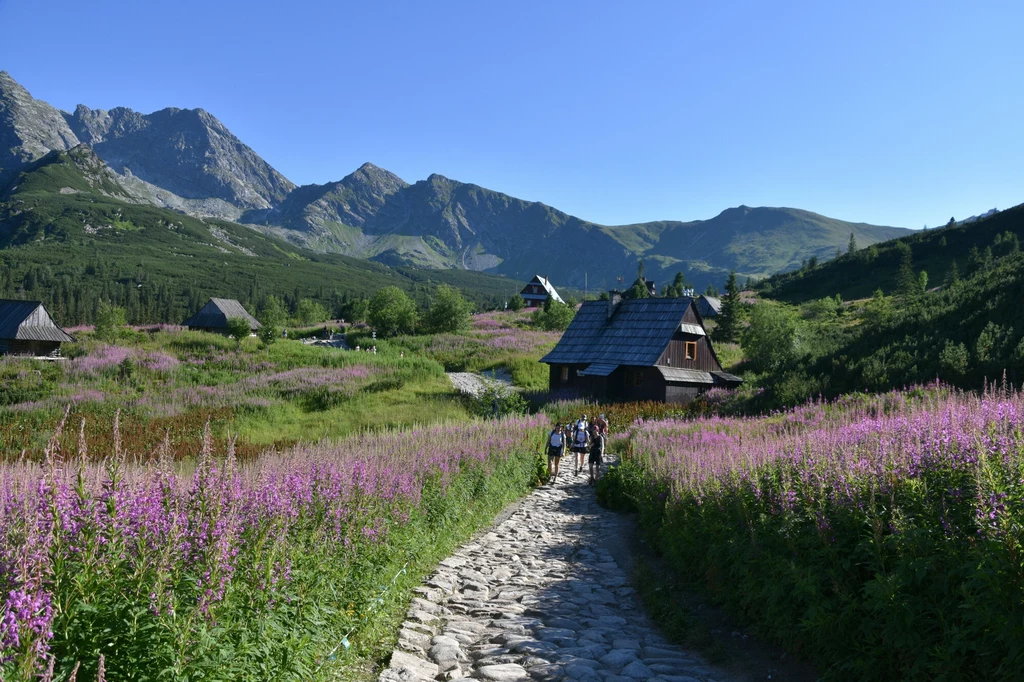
(934, 251)
(69, 236)
(441, 222)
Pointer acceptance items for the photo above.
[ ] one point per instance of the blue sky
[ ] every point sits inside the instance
(895, 113)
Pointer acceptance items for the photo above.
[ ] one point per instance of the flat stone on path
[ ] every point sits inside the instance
(506, 672)
(539, 597)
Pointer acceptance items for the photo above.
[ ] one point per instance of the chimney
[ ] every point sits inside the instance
(614, 299)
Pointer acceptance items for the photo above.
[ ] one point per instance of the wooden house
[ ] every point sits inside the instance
(709, 306)
(27, 329)
(214, 316)
(537, 291)
(637, 349)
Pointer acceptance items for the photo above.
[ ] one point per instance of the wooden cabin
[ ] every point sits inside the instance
(26, 328)
(214, 316)
(637, 349)
(537, 291)
(709, 306)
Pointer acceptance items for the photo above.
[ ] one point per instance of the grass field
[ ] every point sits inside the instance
(167, 383)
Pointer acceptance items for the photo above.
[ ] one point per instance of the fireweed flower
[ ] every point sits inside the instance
(178, 540)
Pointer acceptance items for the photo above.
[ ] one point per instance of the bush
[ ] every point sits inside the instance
(391, 312)
(497, 402)
(110, 319)
(554, 316)
(449, 311)
(769, 341)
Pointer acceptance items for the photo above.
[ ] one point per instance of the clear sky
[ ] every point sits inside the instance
(894, 113)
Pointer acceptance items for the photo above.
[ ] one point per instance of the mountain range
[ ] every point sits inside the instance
(187, 160)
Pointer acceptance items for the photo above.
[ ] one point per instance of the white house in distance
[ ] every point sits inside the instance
(537, 291)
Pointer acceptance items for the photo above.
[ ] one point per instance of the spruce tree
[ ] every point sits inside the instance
(728, 319)
(907, 283)
(953, 276)
(852, 246)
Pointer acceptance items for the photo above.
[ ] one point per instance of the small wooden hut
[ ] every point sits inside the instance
(26, 328)
(214, 316)
(709, 306)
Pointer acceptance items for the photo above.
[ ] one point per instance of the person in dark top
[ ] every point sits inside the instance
(556, 448)
(580, 444)
(596, 458)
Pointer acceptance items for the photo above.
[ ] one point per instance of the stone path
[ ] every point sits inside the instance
(475, 384)
(539, 597)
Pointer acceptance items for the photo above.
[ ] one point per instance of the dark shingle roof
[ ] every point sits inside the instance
(598, 370)
(709, 306)
(726, 378)
(637, 333)
(217, 311)
(29, 321)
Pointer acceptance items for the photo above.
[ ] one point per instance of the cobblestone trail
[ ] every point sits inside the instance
(539, 597)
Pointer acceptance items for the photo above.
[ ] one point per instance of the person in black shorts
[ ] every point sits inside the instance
(580, 443)
(596, 458)
(556, 448)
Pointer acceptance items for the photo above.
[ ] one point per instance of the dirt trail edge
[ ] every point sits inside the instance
(540, 596)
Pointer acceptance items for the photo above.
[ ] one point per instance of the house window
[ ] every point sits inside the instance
(638, 378)
(691, 350)
(565, 374)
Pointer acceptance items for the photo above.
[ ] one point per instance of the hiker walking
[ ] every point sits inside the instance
(596, 458)
(581, 443)
(556, 448)
(602, 424)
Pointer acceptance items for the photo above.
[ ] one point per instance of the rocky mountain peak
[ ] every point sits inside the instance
(29, 129)
(374, 179)
(187, 152)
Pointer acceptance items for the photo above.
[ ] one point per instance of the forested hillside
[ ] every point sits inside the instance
(964, 324)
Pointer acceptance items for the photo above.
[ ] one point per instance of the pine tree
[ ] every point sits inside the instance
(728, 319)
(852, 246)
(907, 283)
(953, 276)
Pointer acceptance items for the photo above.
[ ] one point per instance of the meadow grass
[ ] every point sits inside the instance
(501, 340)
(170, 382)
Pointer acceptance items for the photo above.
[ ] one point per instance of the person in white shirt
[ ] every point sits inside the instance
(556, 448)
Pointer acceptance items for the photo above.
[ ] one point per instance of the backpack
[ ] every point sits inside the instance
(556, 439)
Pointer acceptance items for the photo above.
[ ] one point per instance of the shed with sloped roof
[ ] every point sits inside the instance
(709, 306)
(214, 316)
(26, 328)
(637, 349)
(538, 290)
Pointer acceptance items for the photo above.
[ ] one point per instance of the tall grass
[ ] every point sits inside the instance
(880, 536)
(217, 569)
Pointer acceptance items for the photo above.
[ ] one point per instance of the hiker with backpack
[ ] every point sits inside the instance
(580, 443)
(596, 458)
(556, 448)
